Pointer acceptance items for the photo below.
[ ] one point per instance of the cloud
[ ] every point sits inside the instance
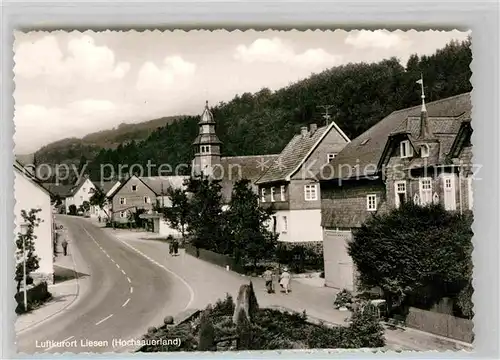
(276, 50)
(379, 39)
(76, 119)
(84, 61)
(171, 75)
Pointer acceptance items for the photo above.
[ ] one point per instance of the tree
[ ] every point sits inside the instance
(205, 218)
(99, 199)
(178, 213)
(25, 244)
(72, 209)
(85, 207)
(414, 253)
(249, 225)
(135, 217)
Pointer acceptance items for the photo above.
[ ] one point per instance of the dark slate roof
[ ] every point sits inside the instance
(235, 168)
(291, 156)
(62, 191)
(160, 184)
(106, 186)
(367, 148)
(207, 139)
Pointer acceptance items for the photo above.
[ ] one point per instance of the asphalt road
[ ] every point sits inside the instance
(125, 294)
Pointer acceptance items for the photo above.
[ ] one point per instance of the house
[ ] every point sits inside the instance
(230, 169)
(420, 154)
(30, 194)
(145, 193)
(108, 188)
(289, 184)
(75, 194)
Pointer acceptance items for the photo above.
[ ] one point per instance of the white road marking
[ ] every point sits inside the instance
(128, 279)
(118, 266)
(71, 337)
(190, 289)
(123, 272)
(103, 320)
(126, 302)
(131, 289)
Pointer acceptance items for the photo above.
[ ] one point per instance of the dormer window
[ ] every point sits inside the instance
(205, 149)
(405, 149)
(424, 150)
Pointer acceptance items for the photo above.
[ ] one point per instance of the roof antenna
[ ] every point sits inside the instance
(326, 115)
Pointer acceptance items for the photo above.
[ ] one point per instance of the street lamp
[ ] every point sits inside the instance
(24, 231)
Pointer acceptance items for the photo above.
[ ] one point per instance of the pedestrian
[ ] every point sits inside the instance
(170, 247)
(64, 244)
(176, 247)
(99, 218)
(285, 280)
(268, 278)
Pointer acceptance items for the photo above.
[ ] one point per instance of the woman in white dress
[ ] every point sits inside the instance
(285, 280)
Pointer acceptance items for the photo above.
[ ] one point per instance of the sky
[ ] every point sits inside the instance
(69, 84)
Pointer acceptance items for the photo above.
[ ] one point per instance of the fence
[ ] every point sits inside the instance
(214, 258)
(441, 324)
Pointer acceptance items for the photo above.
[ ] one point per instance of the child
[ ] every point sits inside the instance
(268, 278)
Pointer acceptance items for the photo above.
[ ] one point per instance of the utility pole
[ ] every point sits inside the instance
(326, 115)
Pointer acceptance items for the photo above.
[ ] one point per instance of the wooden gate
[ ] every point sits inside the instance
(339, 270)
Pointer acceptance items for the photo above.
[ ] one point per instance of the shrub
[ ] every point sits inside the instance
(168, 320)
(223, 307)
(343, 299)
(365, 329)
(206, 335)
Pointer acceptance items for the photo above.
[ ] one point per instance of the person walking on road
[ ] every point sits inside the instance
(268, 278)
(285, 280)
(65, 246)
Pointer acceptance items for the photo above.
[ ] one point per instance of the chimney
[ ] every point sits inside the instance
(303, 131)
(313, 128)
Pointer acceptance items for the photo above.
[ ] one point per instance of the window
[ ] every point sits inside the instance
(405, 149)
(424, 150)
(83, 189)
(450, 202)
(205, 148)
(470, 192)
(400, 190)
(330, 157)
(263, 195)
(81, 197)
(134, 187)
(122, 214)
(282, 192)
(310, 192)
(371, 202)
(123, 201)
(272, 194)
(425, 185)
(147, 200)
(285, 224)
(416, 199)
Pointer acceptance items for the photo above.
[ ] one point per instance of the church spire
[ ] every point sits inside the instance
(425, 132)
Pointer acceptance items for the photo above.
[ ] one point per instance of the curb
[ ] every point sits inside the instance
(65, 307)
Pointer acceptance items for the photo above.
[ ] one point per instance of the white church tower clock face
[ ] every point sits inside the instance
(206, 145)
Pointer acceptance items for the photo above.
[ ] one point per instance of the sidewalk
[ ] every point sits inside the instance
(210, 283)
(65, 290)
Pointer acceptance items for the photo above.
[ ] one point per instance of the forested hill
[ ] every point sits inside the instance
(262, 123)
(72, 150)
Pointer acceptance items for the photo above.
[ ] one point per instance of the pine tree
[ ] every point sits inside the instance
(206, 335)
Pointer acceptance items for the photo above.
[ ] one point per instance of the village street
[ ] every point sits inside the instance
(122, 294)
(134, 283)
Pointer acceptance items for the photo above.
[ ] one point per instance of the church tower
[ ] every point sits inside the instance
(206, 145)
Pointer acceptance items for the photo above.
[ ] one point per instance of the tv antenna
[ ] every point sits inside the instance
(326, 115)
